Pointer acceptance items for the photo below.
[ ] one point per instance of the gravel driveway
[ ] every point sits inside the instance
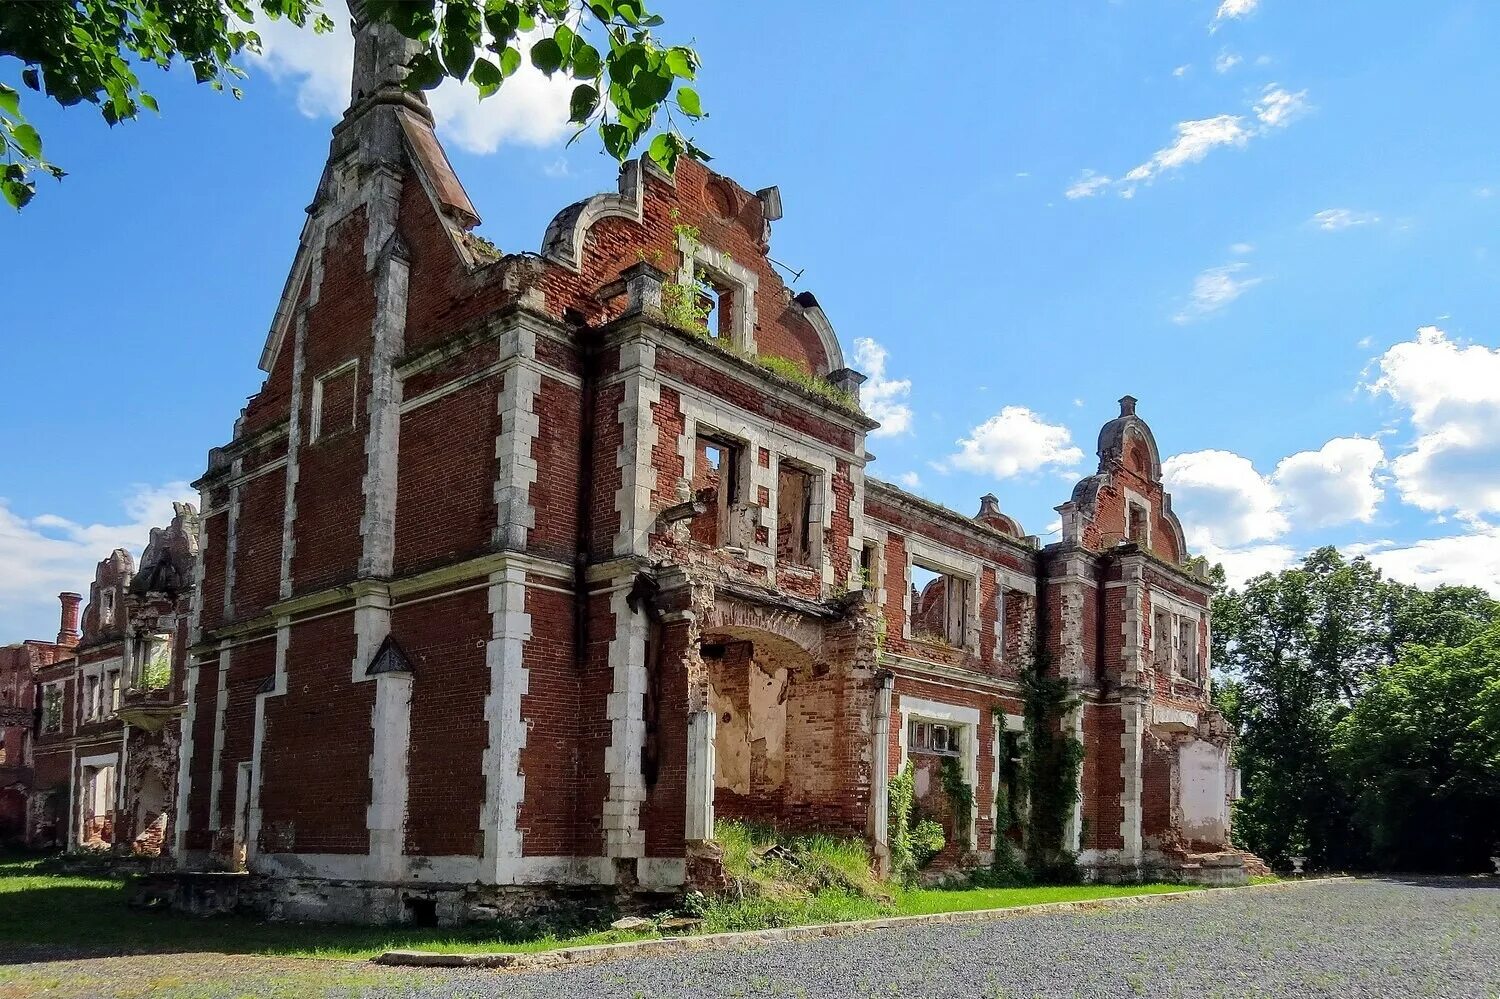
(1345, 939)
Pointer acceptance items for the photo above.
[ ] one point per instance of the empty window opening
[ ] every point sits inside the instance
(1161, 640)
(91, 698)
(106, 608)
(1012, 801)
(939, 606)
(1136, 528)
(794, 488)
(716, 304)
(869, 562)
(52, 708)
(716, 465)
(112, 686)
(1187, 648)
(933, 738)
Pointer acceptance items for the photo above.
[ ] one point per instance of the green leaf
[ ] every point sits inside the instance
(30, 78)
(27, 141)
(510, 61)
(682, 62)
(665, 149)
(546, 56)
(10, 101)
(150, 102)
(687, 99)
(565, 39)
(487, 77)
(616, 140)
(17, 193)
(424, 71)
(459, 30)
(583, 103)
(586, 61)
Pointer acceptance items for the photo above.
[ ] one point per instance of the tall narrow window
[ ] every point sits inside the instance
(715, 484)
(106, 607)
(52, 707)
(716, 303)
(793, 514)
(1161, 640)
(1187, 649)
(1135, 523)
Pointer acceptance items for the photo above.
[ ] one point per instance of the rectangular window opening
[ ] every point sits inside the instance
(716, 304)
(1136, 527)
(1161, 640)
(716, 468)
(939, 606)
(794, 489)
(933, 738)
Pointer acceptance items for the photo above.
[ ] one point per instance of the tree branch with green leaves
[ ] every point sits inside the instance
(628, 85)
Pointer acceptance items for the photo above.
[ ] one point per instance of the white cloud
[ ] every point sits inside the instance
(1333, 219)
(1276, 108)
(1222, 500)
(1230, 10)
(1460, 560)
(1214, 289)
(911, 480)
(43, 554)
(529, 109)
(1244, 564)
(883, 398)
(1088, 184)
(1012, 442)
(1182, 70)
(1452, 396)
(1333, 485)
(1226, 60)
(1240, 249)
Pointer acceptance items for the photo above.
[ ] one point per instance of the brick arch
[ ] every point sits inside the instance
(779, 630)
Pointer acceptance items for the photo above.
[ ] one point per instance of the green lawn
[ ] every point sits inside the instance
(73, 915)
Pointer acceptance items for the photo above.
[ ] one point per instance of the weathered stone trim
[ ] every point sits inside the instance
(221, 708)
(516, 467)
(633, 498)
(505, 783)
(952, 714)
(293, 449)
(623, 835)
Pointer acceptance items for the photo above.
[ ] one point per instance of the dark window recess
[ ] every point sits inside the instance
(716, 466)
(793, 515)
(939, 606)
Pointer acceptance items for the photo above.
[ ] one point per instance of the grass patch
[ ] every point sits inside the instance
(788, 881)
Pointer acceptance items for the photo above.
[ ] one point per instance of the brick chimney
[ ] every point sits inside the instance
(1127, 405)
(67, 632)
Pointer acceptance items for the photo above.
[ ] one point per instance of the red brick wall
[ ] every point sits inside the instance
(1156, 787)
(257, 551)
(445, 479)
(551, 708)
(330, 498)
(315, 789)
(200, 827)
(664, 813)
(558, 453)
(593, 726)
(215, 530)
(445, 641)
(249, 666)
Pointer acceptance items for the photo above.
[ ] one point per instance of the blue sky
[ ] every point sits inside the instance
(1242, 213)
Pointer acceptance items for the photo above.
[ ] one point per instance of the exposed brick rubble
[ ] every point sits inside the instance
(103, 735)
(507, 583)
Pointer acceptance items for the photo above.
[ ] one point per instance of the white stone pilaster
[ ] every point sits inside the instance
(516, 467)
(293, 450)
(637, 476)
(377, 525)
(700, 776)
(880, 765)
(258, 741)
(1132, 714)
(221, 708)
(505, 784)
(623, 836)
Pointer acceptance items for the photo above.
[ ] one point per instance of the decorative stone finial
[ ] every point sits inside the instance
(1127, 405)
(989, 506)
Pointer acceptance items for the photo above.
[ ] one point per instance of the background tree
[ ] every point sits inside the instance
(1301, 652)
(1421, 753)
(76, 51)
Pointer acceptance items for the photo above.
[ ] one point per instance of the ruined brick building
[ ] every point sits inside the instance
(509, 580)
(107, 701)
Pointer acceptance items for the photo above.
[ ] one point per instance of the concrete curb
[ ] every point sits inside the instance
(667, 946)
